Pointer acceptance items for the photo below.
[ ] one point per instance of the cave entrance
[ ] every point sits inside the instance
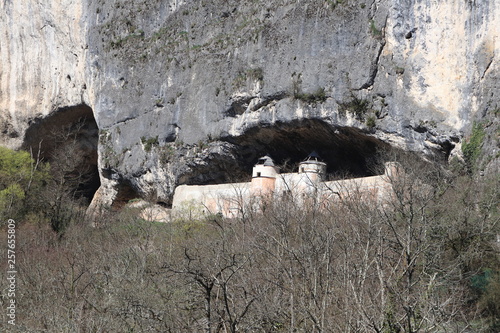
(67, 139)
(348, 151)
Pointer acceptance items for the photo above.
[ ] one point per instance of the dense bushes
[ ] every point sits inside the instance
(351, 266)
(21, 180)
(471, 148)
(34, 191)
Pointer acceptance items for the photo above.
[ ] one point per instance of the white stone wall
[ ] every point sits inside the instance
(303, 188)
(211, 199)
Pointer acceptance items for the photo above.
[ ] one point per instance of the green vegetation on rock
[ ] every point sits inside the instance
(149, 143)
(357, 106)
(319, 96)
(371, 122)
(374, 30)
(471, 148)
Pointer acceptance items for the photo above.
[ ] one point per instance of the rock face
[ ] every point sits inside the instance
(42, 62)
(193, 91)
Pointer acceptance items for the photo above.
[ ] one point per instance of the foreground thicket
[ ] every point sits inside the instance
(21, 179)
(426, 262)
(32, 189)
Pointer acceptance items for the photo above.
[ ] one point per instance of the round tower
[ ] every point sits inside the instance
(314, 167)
(264, 175)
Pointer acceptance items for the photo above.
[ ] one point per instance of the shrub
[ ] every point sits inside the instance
(20, 178)
(166, 153)
(489, 302)
(374, 31)
(358, 106)
(400, 70)
(319, 96)
(149, 143)
(370, 122)
(240, 80)
(471, 148)
(256, 74)
(335, 3)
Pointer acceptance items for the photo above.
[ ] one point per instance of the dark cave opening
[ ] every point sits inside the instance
(67, 139)
(347, 151)
(125, 190)
(125, 193)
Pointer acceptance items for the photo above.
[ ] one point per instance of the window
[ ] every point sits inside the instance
(258, 174)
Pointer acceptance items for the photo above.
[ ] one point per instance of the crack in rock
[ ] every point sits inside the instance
(375, 63)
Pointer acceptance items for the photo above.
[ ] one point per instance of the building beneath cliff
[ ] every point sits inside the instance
(306, 187)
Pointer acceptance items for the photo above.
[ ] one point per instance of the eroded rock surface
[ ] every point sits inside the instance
(42, 62)
(178, 87)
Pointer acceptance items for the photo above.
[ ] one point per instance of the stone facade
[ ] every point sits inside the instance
(306, 187)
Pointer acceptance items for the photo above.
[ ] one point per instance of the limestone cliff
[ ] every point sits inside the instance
(193, 91)
(42, 66)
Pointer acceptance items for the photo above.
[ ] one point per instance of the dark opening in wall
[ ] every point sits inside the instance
(125, 193)
(67, 139)
(346, 150)
(125, 189)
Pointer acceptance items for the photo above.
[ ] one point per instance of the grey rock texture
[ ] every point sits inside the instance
(178, 87)
(42, 62)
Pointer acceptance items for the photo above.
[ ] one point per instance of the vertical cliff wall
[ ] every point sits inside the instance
(192, 91)
(449, 53)
(42, 65)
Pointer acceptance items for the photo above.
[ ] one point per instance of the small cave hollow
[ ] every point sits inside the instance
(125, 194)
(347, 151)
(67, 139)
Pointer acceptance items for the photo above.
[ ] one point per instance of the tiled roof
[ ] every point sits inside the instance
(266, 161)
